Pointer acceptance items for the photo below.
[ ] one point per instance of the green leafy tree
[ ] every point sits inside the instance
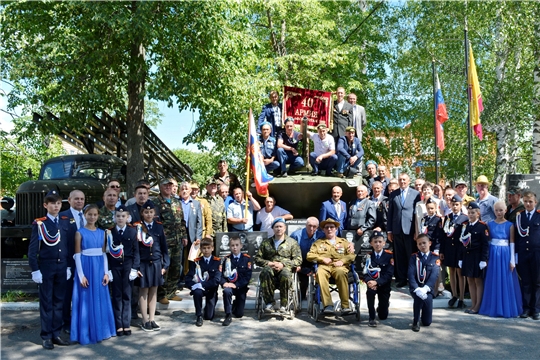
(203, 164)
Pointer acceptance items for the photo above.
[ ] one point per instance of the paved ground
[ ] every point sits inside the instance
(452, 335)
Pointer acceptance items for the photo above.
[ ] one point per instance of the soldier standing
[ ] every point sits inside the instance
(219, 217)
(174, 226)
(106, 213)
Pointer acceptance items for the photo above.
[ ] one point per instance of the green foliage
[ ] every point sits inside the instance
(24, 155)
(204, 165)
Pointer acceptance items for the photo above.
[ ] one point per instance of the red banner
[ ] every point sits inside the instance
(316, 105)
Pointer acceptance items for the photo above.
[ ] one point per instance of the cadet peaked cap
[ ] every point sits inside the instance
(122, 208)
(430, 200)
(375, 235)
(457, 198)
(473, 205)
(148, 205)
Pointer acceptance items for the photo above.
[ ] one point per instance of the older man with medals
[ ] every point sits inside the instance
(334, 257)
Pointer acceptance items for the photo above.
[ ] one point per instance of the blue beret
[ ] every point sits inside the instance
(266, 123)
(289, 119)
(278, 220)
(369, 162)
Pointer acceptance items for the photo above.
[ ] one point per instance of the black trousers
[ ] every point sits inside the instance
(66, 312)
(236, 307)
(121, 295)
(211, 300)
(403, 249)
(424, 306)
(51, 297)
(528, 268)
(384, 302)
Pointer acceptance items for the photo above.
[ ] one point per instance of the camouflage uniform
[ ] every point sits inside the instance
(219, 217)
(105, 219)
(207, 217)
(174, 226)
(290, 255)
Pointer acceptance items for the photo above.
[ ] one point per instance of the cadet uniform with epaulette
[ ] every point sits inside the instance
(210, 285)
(379, 269)
(242, 265)
(423, 271)
(124, 261)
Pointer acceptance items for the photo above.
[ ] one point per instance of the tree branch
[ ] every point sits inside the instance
(362, 22)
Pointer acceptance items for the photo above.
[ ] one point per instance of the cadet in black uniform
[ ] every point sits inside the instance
(48, 258)
(528, 255)
(474, 254)
(378, 272)
(449, 250)
(124, 262)
(154, 263)
(203, 279)
(235, 278)
(424, 267)
(431, 225)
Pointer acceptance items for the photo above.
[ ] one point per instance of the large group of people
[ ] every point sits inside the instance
(99, 265)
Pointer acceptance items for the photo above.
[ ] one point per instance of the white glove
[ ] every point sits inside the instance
(460, 263)
(513, 254)
(482, 265)
(423, 297)
(418, 292)
(426, 289)
(37, 277)
(197, 286)
(110, 275)
(68, 273)
(132, 274)
(78, 266)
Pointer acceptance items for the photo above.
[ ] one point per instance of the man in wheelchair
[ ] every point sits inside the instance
(277, 256)
(334, 257)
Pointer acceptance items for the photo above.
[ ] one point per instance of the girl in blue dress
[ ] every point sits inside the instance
(92, 318)
(502, 296)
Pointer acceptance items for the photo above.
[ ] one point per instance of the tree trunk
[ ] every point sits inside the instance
(135, 114)
(535, 168)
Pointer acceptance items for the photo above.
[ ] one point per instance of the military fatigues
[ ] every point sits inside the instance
(323, 248)
(172, 217)
(210, 286)
(431, 265)
(105, 219)
(207, 217)
(219, 216)
(244, 271)
(289, 254)
(383, 278)
(121, 286)
(52, 261)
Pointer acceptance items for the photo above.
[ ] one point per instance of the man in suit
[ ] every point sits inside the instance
(272, 113)
(335, 209)
(361, 217)
(76, 221)
(350, 153)
(141, 197)
(400, 226)
(343, 115)
(194, 223)
(359, 115)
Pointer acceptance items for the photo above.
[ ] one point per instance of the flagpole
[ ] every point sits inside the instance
(435, 122)
(248, 158)
(469, 128)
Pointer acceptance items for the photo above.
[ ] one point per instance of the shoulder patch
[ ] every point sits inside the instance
(538, 211)
(435, 254)
(158, 222)
(130, 225)
(246, 255)
(216, 258)
(198, 259)
(482, 222)
(137, 223)
(112, 227)
(388, 252)
(520, 211)
(63, 217)
(41, 219)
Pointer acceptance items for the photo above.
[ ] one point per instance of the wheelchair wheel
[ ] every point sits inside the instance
(297, 303)
(316, 313)
(310, 295)
(258, 301)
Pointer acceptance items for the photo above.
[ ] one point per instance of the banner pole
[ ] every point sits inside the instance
(435, 121)
(248, 162)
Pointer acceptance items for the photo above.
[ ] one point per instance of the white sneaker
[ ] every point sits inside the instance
(282, 310)
(269, 307)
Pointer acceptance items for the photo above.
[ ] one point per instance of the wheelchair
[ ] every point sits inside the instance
(314, 294)
(293, 305)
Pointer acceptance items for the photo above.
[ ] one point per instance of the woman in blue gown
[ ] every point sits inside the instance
(92, 317)
(502, 296)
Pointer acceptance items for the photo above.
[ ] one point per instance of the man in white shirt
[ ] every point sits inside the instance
(271, 211)
(324, 155)
(236, 216)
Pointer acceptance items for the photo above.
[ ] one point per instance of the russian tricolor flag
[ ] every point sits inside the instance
(261, 177)
(440, 115)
